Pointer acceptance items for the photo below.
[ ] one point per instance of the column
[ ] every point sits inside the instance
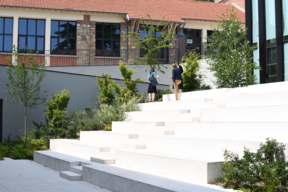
(203, 40)
(47, 41)
(15, 34)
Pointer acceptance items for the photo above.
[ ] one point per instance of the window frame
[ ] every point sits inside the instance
(68, 38)
(36, 36)
(109, 39)
(3, 34)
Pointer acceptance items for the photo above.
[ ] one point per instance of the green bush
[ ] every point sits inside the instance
(114, 112)
(266, 170)
(18, 150)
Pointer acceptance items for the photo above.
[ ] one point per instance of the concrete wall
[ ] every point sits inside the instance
(81, 87)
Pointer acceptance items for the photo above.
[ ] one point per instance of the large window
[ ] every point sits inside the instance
(63, 37)
(157, 34)
(31, 35)
(107, 39)
(255, 21)
(6, 29)
(270, 21)
(285, 19)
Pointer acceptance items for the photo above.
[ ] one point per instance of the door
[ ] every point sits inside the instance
(271, 64)
(1, 119)
(181, 46)
(193, 42)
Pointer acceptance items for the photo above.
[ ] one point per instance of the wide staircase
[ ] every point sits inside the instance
(174, 145)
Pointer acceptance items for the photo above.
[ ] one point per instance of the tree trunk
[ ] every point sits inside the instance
(25, 128)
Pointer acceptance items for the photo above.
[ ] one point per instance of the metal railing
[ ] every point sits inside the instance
(86, 57)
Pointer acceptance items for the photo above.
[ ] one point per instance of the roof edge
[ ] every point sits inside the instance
(157, 20)
(54, 9)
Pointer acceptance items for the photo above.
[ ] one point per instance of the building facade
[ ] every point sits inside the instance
(267, 23)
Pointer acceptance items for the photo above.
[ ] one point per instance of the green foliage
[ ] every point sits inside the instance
(114, 112)
(192, 81)
(56, 107)
(110, 90)
(18, 150)
(264, 170)
(151, 43)
(24, 78)
(229, 54)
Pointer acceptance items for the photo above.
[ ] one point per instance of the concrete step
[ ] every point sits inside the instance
(139, 145)
(246, 114)
(185, 167)
(206, 146)
(104, 158)
(269, 99)
(76, 169)
(121, 179)
(136, 127)
(78, 148)
(177, 105)
(261, 130)
(71, 176)
(162, 115)
(111, 138)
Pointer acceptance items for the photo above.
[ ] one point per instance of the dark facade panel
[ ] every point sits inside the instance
(1, 120)
(262, 42)
(279, 39)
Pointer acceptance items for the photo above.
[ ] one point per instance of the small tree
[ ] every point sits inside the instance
(152, 43)
(192, 81)
(110, 90)
(229, 54)
(24, 78)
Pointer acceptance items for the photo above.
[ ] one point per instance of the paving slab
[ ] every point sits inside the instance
(29, 176)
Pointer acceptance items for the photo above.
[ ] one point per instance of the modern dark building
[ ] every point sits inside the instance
(267, 23)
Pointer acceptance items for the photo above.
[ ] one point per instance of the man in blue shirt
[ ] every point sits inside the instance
(177, 79)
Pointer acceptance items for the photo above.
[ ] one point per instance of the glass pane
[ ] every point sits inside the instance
(8, 26)
(255, 20)
(40, 27)
(270, 20)
(116, 31)
(1, 25)
(272, 70)
(286, 61)
(31, 27)
(62, 44)
(54, 45)
(272, 79)
(271, 55)
(158, 33)
(1, 42)
(142, 52)
(182, 33)
(72, 29)
(54, 28)
(72, 44)
(98, 44)
(31, 43)
(142, 33)
(116, 53)
(22, 26)
(107, 48)
(255, 60)
(40, 44)
(107, 31)
(285, 17)
(8, 43)
(99, 31)
(116, 44)
(63, 29)
(22, 43)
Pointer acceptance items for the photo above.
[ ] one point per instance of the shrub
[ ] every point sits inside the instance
(18, 150)
(265, 170)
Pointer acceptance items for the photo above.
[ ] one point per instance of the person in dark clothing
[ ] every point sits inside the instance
(180, 86)
(177, 79)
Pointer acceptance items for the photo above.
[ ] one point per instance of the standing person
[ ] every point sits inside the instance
(177, 79)
(180, 86)
(152, 84)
